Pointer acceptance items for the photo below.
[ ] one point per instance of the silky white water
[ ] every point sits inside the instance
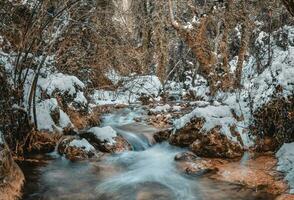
(147, 172)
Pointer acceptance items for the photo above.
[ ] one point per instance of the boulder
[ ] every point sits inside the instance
(74, 148)
(212, 144)
(216, 145)
(162, 135)
(185, 136)
(161, 120)
(191, 164)
(105, 139)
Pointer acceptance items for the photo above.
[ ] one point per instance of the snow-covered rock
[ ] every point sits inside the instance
(45, 121)
(75, 148)
(80, 98)
(105, 139)
(58, 82)
(286, 163)
(83, 144)
(104, 134)
(259, 87)
(213, 115)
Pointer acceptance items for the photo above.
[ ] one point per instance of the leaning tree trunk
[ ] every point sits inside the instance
(289, 4)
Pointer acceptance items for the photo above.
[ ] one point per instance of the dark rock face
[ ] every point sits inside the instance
(212, 144)
(274, 121)
(216, 145)
(162, 135)
(185, 136)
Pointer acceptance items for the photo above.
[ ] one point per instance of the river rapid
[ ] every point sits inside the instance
(147, 172)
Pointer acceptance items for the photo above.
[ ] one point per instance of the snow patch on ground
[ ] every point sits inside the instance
(176, 108)
(106, 133)
(160, 109)
(83, 143)
(104, 97)
(197, 85)
(286, 163)
(131, 90)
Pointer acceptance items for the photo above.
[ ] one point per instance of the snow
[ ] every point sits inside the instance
(104, 97)
(64, 120)
(199, 88)
(160, 109)
(113, 76)
(258, 88)
(84, 144)
(199, 103)
(61, 83)
(80, 98)
(131, 90)
(176, 108)
(213, 115)
(106, 133)
(263, 86)
(43, 110)
(286, 163)
(44, 118)
(148, 85)
(165, 108)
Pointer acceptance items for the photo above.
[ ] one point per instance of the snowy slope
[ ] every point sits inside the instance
(286, 163)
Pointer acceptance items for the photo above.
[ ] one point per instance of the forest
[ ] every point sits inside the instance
(147, 100)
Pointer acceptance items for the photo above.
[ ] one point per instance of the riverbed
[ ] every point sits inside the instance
(147, 172)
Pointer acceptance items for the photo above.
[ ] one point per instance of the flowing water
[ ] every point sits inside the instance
(148, 172)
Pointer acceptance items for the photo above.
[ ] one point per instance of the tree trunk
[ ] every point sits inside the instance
(241, 57)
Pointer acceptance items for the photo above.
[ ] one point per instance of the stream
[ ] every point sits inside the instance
(147, 172)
